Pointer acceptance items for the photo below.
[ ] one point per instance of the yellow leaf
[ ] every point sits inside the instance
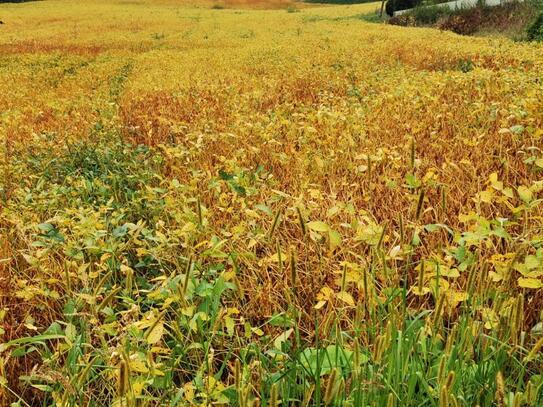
(508, 192)
(370, 233)
(533, 274)
(138, 386)
(332, 211)
(498, 185)
(417, 291)
(257, 331)
(458, 296)
(158, 349)
(495, 277)
(530, 283)
(525, 193)
(486, 196)
(167, 302)
(325, 294)
(156, 333)
(318, 226)
(252, 214)
(157, 372)
(188, 391)
(531, 262)
(447, 272)
(137, 365)
(490, 318)
(320, 304)
(275, 257)
(346, 298)
(188, 311)
(126, 270)
(232, 311)
(230, 324)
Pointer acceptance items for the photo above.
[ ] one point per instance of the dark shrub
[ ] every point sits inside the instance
(535, 31)
(339, 1)
(465, 22)
(396, 5)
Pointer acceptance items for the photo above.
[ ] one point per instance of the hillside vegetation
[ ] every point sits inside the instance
(516, 20)
(264, 207)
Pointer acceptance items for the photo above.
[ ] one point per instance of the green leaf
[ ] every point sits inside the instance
(278, 342)
(412, 181)
(54, 329)
(43, 387)
(282, 320)
(416, 239)
(518, 129)
(238, 188)
(120, 231)
(31, 339)
(335, 239)
(265, 209)
(22, 351)
(322, 361)
(225, 176)
(46, 227)
(436, 226)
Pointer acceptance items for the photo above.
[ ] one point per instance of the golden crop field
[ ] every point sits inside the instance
(266, 203)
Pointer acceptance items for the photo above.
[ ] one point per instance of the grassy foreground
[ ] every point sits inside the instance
(264, 207)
